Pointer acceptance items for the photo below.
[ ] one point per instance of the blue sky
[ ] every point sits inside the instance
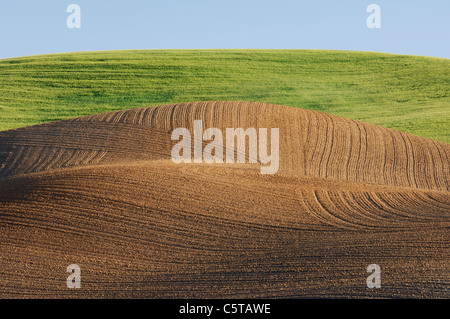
(418, 27)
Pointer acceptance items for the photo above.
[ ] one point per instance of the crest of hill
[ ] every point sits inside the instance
(312, 143)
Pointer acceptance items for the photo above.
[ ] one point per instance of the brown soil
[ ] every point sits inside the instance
(102, 192)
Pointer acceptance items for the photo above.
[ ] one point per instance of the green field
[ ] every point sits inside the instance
(408, 93)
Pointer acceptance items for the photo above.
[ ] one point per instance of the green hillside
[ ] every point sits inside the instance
(408, 93)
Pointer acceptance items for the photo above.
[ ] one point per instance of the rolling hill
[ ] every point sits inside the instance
(408, 93)
(102, 191)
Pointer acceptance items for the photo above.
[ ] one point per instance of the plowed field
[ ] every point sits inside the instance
(102, 192)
